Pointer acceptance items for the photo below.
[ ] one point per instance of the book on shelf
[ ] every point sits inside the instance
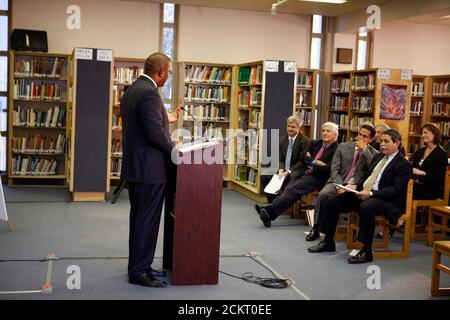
(304, 80)
(363, 82)
(417, 89)
(416, 108)
(441, 89)
(340, 85)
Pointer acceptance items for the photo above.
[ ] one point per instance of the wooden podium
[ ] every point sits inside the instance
(192, 216)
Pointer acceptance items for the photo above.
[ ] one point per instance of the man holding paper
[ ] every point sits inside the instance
(291, 146)
(350, 163)
(381, 191)
(312, 174)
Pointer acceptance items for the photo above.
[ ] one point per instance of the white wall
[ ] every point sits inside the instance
(346, 41)
(236, 36)
(131, 29)
(421, 47)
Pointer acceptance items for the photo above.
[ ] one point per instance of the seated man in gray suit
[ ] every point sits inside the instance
(349, 164)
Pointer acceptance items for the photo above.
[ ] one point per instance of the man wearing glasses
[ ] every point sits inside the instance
(349, 164)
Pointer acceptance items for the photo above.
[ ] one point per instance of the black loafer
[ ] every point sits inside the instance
(147, 281)
(264, 216)
(156, 273)
(323, 246)
(312, 235)
(361, 257)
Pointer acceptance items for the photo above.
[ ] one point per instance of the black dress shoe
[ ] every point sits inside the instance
(265, 218)
(313, 235)
(156, 273)
(147, 281)
(361, 257)
(323, 246)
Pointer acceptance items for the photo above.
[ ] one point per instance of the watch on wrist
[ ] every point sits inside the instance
(371, 194)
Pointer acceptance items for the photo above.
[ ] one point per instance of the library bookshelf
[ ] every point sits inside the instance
(305, 99)
(38, 105)
(418, 112)
(339, 101)
(125, 72)
(439, 101)
(205, 91)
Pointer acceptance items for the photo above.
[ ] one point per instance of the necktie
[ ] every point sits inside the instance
(351, 171)
(368, 184)
(288, 155)
(317, 157)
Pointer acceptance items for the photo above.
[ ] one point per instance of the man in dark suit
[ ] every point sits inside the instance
(382, 192)
(147, 148)
(311, 175)
(291, 147)
(350, 162)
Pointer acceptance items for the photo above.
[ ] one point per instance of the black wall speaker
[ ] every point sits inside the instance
(29, 40)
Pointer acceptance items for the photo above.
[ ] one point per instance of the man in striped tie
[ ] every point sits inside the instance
(311, 175)
(382, 191)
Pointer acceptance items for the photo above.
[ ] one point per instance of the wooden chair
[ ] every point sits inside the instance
(295, 210)
(384, 223)
(428, 203)
(444, 213)
(440, 247)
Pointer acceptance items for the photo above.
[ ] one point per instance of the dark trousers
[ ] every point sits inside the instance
(146, 204)
(296, 187)
(346, 202)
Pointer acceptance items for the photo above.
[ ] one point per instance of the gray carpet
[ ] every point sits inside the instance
(45, 222)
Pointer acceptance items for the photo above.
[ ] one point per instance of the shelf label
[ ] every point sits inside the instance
(104, 55)
(384, 74)
(271, 66)
(406, 74)
(290, 66)
(83, 53)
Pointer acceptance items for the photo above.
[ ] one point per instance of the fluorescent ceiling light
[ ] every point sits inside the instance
(445, 17)
(327, 1)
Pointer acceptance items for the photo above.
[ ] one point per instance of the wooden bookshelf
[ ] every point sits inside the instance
(439, 100)
(125, 72)
(305, 99)
(37, 130)
(264, 99)
(205, 91)
(339, 102)
(418, 112)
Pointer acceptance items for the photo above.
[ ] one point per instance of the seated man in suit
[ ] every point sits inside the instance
(311, 175)
(292, 145)
(382, 191)
(350, 163)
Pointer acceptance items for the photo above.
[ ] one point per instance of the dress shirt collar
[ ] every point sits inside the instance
(148, 77)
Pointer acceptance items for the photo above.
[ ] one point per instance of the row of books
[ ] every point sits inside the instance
(39, 144)
(441, 89)
(255, 119)
(417, 89)
(243, 121)
(252, 174)
(117, 95)
(116, 167)
(250, 75)
(42, 91)
(28, 117)
(445, 127)
(338, 103)
(117, 121)
(440, 109)
(39, 67)
(362, 104)
(211, 112)
(33, 166)
(305, 116)
(302, 100)
(208, 74)
(364, 82)
(116, 147)
(194, 93)
(246, 174)
(304, 80)
(205, 132)
(416, 108)
(357, 122)
(340, 84)
(340, 119)
(126, 75)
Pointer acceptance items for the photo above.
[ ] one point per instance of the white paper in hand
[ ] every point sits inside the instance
(340, 186)
(274, 185)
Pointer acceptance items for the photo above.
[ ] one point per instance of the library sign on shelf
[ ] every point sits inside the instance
(83, 54)
(384, 74)
(104, 55)
(271, 66)
(290, 66)
(406, 74)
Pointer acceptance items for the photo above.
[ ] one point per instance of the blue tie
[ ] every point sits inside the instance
(288, 155)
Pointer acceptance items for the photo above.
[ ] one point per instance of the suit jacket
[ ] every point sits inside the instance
(300, 145)
(145, 134)
(342, 161)
(393, 184)
(321, 172)
(435, 165)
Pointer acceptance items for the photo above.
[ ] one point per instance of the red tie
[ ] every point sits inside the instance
(351, 171)
(320, 153)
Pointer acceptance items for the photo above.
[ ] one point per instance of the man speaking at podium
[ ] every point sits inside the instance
(146, 154)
